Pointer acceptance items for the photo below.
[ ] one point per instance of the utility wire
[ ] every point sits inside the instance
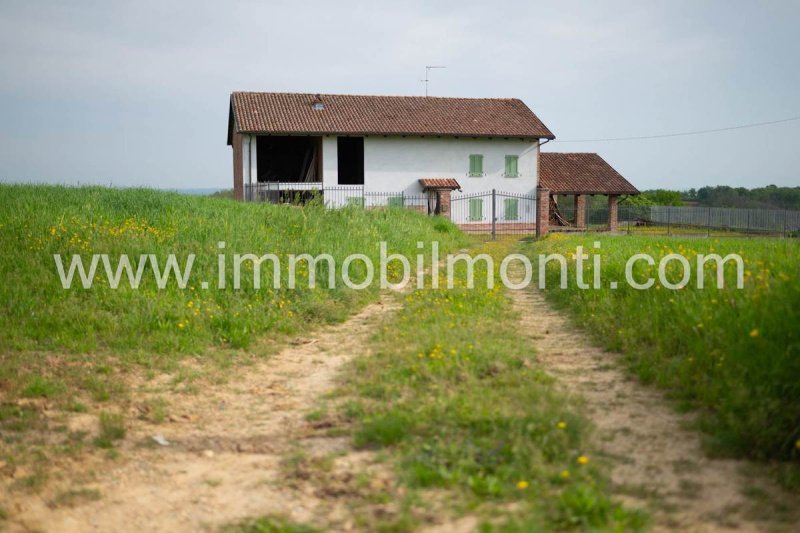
(682, 134)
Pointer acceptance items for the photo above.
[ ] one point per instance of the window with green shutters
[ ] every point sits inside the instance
(395, 201)
(512, 170)
(476, 165)
(511, 208)
(475, 209)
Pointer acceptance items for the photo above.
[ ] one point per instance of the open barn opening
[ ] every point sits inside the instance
(289, 159)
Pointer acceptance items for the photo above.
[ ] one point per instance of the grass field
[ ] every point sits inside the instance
(454, 395)
(46, 331)
(735, 354)
(37, 222)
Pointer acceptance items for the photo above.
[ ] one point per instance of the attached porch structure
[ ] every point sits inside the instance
(574, 177)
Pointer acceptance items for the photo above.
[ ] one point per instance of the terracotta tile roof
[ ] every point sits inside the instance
(295, 113)
(580, 173)
(439, 183)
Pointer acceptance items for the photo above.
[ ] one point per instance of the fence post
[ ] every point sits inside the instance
(669, 219)
(748, 221)
(785, 216)
(708, 223)
(494, 218)
(628, 217)
(587, 218)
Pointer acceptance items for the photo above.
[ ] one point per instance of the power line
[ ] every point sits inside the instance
(681, 134)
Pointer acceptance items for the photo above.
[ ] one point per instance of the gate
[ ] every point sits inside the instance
(494, 213)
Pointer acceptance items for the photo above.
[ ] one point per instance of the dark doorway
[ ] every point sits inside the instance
(350, 154)
(288, 159)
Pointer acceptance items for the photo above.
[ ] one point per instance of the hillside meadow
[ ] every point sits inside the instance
(47, 331)
(39, 221)
(732, 353)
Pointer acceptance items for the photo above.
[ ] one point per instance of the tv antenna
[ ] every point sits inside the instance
(427, 72)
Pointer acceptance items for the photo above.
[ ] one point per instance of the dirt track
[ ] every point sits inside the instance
(228, 447)
(656, 462)
(225, 460)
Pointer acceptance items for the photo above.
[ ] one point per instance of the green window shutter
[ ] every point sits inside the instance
(395, 201)
(476, 165)
(512, 166)
(511, 208)
(356, 201)
(475, 209)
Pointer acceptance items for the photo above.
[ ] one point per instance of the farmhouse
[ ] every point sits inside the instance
(403, 151)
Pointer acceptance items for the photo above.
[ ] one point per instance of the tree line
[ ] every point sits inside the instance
(769, 197)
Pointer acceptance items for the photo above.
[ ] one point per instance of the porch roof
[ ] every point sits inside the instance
(439, 183)
(581, 173)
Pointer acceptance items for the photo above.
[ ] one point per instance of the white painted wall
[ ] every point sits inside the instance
(397, 163)
(330, 162)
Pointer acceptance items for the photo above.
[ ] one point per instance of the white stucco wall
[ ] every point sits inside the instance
(395, 164)
(330, 163)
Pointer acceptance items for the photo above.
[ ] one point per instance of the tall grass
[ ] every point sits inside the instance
(733, 353)
(38, 221)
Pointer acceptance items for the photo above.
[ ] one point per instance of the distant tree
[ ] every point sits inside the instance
(663, 197)
(771, 196)
(638, 200)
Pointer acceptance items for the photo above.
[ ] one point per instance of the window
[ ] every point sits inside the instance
(476, 209)
(355, 201)
(512, 168)
(395, 201)
(476, 165)
(511, 208)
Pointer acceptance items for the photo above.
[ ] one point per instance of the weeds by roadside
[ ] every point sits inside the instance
(733, 353)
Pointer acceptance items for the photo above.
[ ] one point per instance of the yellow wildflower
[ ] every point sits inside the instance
(561, 425)
(565, 474)
(522, 485)
(754, 333)
(583, 460)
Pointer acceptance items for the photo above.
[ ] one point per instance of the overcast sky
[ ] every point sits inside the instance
(137, 93)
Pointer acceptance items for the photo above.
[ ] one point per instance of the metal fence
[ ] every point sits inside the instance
(494, 213)
(690, 221)
(333, 197)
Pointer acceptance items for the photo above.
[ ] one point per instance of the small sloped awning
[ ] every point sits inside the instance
(439, 184)
(581, 173)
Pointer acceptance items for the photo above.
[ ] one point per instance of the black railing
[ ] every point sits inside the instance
(333, 197)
